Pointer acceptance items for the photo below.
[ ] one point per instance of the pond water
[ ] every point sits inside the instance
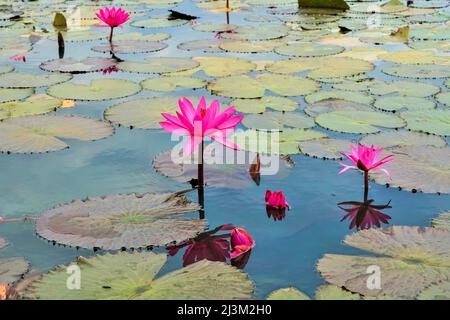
(286, 251)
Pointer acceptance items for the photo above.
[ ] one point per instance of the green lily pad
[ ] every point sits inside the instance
(273, 142)
(360, 86)
(4, 68)
(224, 66)
(412, 259)
(79, 35)
(425, 71)
(329, 292)
(137, 36)
(236, 87)
(158, 22)
(261, 104)
(7, 95)
(330, 105)
(414, 169)
(108, 277)
(161, 3)
(442, 221)
(205, 45)
(358, 121)
(429, 121)
(356, 97)
(26, 80)
(286, 85)
(322, 67)
(434, 45)
(262, 32)
(440, 291)
(287, 294)
(429, 32)
(131, 46)
(444, 98)
(122, 221)
(214, 27)
(99, 89)
(415, 57)
(326, 148)
(42, 133)
(37, 104)
(158, 65)
(277, 120)
(244, 46)
(404, 88)
(400, 138)
(71, 65)
(12, 269)
(399, 103)
(142, 113)
(168, 84)
(308, 50)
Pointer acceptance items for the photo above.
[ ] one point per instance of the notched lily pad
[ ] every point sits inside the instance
(12, 269)
(330, 105)
(108, 277)
(401, 103)
(7, 95)
(122, 221)
(430, 121)
(42, 133)
(261, 104)
(355, 97)
(70, 65)
(27, 80)
(241, 86)
(224, 66)
(400, 138)
(37, 104)
(287, 85)
(99, 89)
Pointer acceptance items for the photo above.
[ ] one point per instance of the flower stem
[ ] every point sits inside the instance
(111, 34)
(201, 184)
(366, 185)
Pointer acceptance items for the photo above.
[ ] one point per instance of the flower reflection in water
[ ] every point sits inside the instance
(212, 245)
(364, 215)
(275, 213)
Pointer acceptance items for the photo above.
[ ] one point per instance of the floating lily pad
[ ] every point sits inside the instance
(399, 103)
(364, 53)
(262, 32)
(287, 294)
(4, 68)
(349, 85)
(440, 291)
(415, 169)
(267, 102)
(205, 45)
(214, 27)
(158, 65)
(99, 89)
(444, 98)
(38, 104)
(26, 80)
(12, 269)
(277, 120)
(358, 121)
(286, 85)
(415, 57)
(237, 87)
(131, 46)
(108, 277)
(161, 3)
(412, 259)
(275, 142)
(322, 67)
(71, 65)
(42, 133)
(404, 88)
(79, 35)
(122, 221)
(442, 221)
(142, 113)
(168, 84)
(425, 71)
(244, 46)
(400, 138)
(356, 97)
(329, 292)
(159, 22)
(429, 32)
(326, 148)
(137, 36)
(224, 66)
(7, 95)
(308, 50)
(334, 105)
(434, 45)
(429, 121)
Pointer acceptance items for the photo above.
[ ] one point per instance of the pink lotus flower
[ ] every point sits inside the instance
(19, 58)
(113, 18)
(241, 242)
(365, 159)
(276, 200)
(202, 122)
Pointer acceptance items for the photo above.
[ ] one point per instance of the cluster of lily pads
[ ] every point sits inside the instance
(311, 73)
